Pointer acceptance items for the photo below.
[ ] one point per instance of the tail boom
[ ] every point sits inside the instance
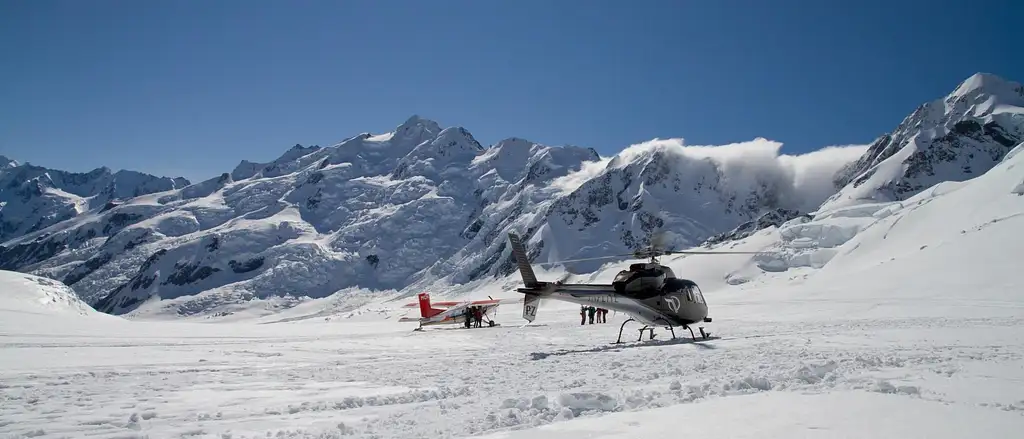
(522, 262)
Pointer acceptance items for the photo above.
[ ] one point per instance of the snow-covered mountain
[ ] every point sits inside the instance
(424, 207)
(899, 328)
(33, 197)
(371, 211)
(951, 139)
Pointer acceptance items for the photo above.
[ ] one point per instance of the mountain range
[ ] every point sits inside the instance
(424, 206)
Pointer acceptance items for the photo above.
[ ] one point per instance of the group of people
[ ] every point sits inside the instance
(590, 311)
(474, 317)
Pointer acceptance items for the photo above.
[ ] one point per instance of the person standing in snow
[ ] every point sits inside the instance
(583, 315)
(590, 312)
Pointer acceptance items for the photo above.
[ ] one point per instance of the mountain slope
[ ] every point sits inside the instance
(371, 212)
(33, 197)
(34, 295)
(841, 245)
(949, 139)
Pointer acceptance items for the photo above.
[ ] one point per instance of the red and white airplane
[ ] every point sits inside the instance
(443, 313)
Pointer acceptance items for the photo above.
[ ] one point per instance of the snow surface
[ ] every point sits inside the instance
(28, 294)
(908, 327)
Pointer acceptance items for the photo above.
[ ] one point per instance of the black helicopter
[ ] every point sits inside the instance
(650, 293)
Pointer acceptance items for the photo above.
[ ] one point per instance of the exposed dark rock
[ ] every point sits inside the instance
(247, 266)
(119, 220)
(134, 242)
(89, 266)
(187, 273)
(29, 253)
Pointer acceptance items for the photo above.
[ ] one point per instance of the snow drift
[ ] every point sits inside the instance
(28, 294)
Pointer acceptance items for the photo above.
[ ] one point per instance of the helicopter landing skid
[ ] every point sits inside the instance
(704, 335)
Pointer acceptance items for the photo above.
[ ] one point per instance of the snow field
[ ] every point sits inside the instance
(317, 378)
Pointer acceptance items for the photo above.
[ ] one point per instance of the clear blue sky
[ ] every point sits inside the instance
(191, 87)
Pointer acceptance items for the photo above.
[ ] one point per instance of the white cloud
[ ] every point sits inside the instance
(805, 180)
(812, 173)
(568, 183)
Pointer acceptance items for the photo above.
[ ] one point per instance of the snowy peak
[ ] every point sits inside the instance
(6, 163)
(277, 167)
(507, 157)
(452, 150)
(950, 139)
(33, 198)
(128, 184)
(515, 160)
(122, 184)
(989, 85)
(455, 141)
(417, 129)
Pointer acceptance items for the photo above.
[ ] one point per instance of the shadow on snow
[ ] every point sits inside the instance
(629, 345)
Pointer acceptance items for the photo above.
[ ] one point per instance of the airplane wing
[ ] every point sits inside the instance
(433, 304)
(473, 303)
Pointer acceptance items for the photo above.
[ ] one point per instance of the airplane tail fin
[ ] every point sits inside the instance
(426, 311)
(519, 252)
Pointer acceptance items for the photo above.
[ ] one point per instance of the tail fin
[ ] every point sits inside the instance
(519, 252)
(530, 306)
(425, 310)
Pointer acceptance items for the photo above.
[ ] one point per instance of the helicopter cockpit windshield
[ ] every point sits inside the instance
(690, 291)
(694, 293)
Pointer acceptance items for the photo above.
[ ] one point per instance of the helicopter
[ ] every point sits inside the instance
(648, 292)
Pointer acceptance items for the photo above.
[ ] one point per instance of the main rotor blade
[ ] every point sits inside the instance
(585, 259)
(709, 252)
(643, 253)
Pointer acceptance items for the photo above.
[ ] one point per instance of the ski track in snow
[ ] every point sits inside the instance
(375, 380)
